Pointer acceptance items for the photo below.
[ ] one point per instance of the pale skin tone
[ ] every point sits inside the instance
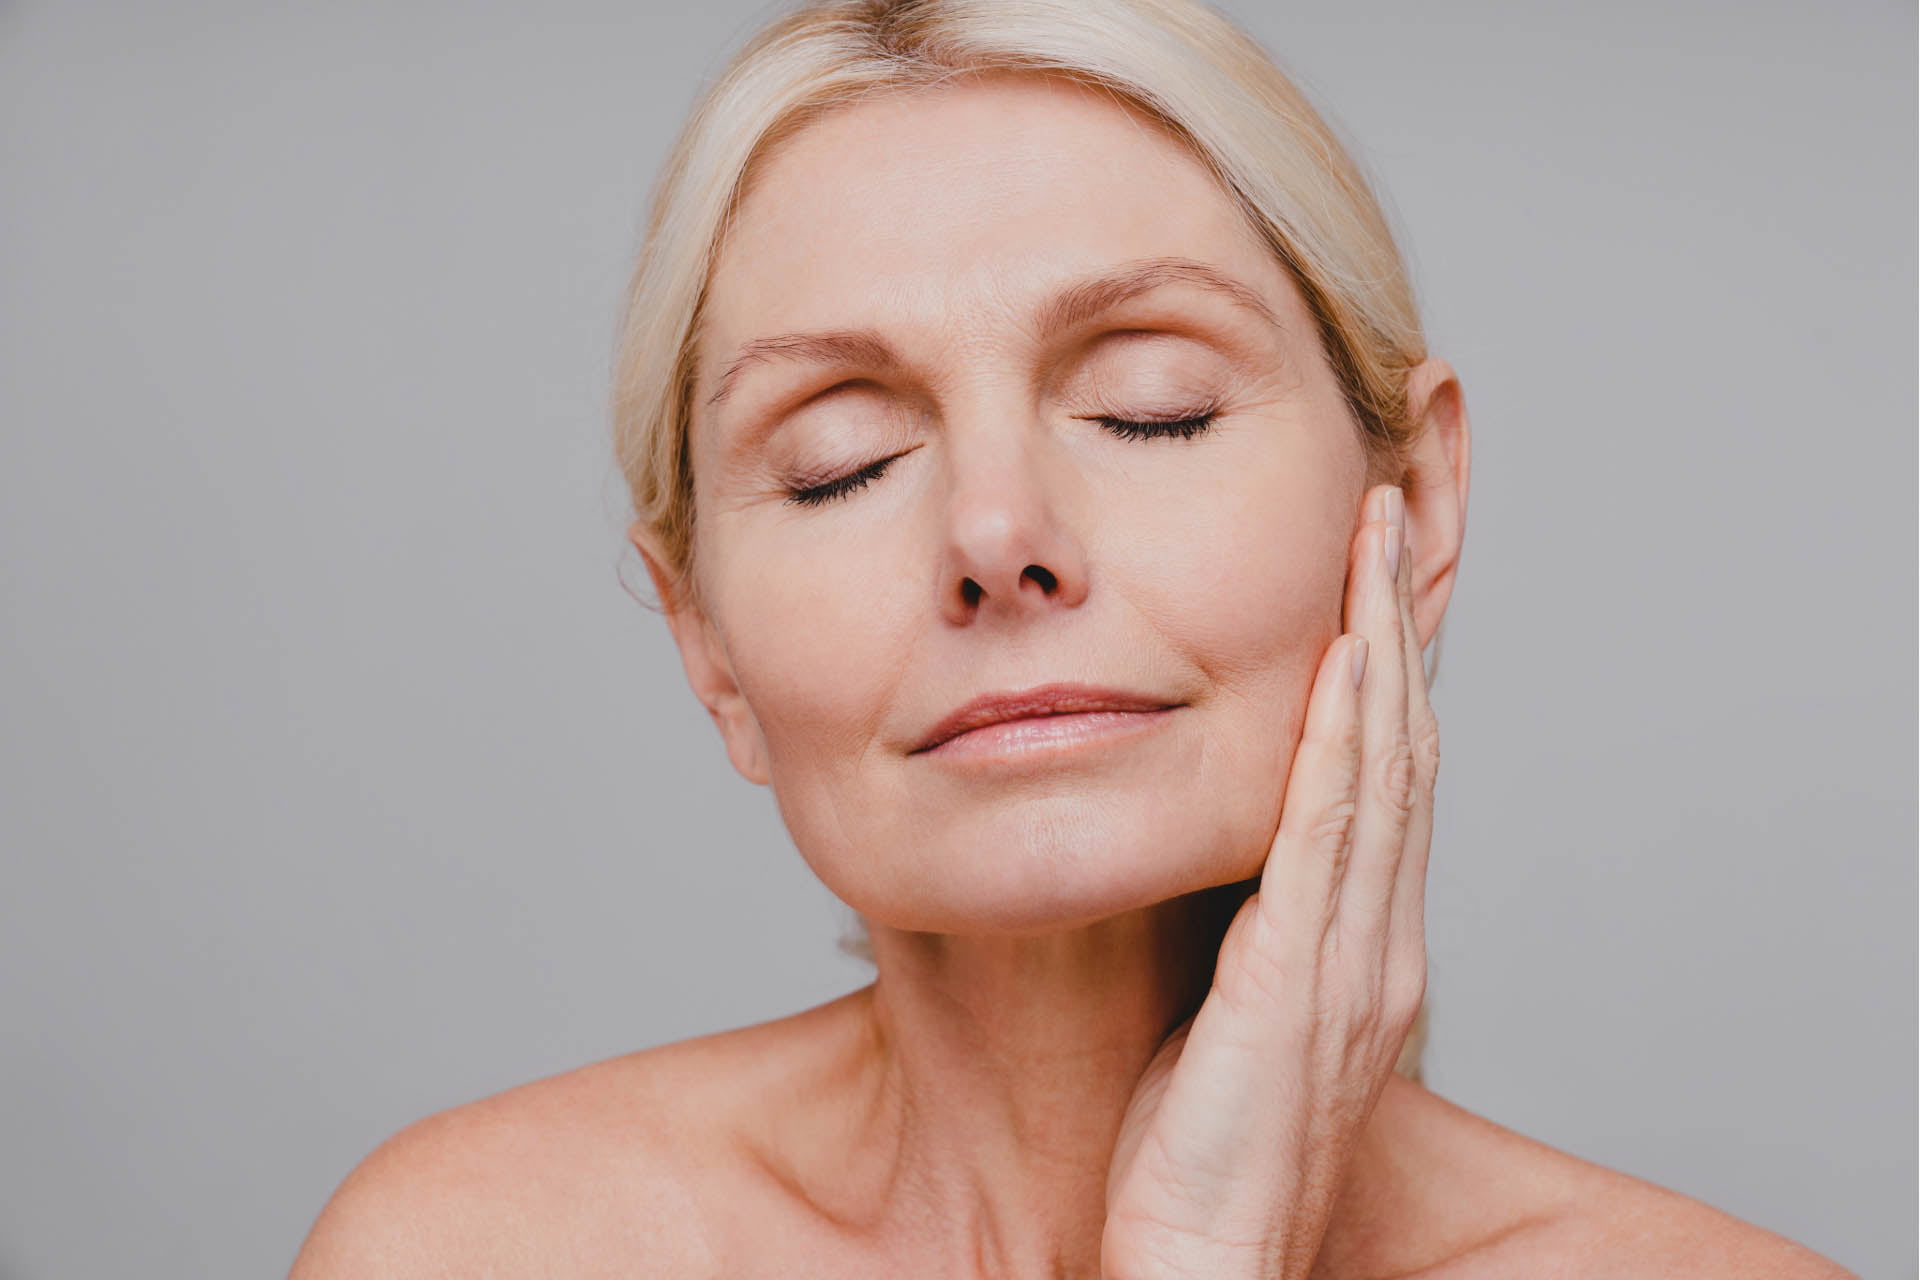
(1051, 1075)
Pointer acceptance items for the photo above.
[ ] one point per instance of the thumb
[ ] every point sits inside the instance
(1144, 1104)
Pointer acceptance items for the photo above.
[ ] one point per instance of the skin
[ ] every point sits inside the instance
(1071, 1063)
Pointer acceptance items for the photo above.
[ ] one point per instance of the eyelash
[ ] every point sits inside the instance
(1126, 428)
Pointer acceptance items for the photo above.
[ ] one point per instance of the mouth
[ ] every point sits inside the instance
(1034, 740)
(1044, 714)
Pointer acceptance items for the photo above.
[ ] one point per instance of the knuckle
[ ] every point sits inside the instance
(1395, 776)
(1332, 830)
(1406, 991)
(1426, 746)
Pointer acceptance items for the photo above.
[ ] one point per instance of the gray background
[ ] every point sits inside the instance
(344, 780)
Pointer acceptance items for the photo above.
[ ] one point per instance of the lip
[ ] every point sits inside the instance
(1040, 701)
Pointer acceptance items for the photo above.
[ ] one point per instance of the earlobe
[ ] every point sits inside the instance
(709, 671)
(1436, 488)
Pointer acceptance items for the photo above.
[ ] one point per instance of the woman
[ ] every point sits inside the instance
(1037, 458)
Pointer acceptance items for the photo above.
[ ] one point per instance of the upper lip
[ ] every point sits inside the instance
(1040, 700)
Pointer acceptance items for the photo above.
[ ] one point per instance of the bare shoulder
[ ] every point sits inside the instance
(610, 1169)
(1554, 1214)
(1630, 1227)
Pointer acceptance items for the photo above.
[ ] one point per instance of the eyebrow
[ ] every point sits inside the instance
(1073, 305)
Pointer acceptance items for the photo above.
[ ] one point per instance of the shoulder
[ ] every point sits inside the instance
(1543, 1211)
(1626, 1229)
(603, 1168)
(1629, 1227)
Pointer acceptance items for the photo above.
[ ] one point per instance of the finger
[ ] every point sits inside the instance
(1300, 882)
(1386, 754)
(1407, 917)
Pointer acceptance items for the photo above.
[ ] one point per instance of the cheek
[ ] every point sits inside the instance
(1250, 584)
(1249, 590)
(815, 652)
(821, 651)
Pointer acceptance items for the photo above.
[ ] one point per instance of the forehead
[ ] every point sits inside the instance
(965, 203)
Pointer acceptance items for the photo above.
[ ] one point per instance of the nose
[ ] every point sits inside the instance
(1009, 551)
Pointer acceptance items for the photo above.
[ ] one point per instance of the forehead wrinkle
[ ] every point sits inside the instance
(1070, 307)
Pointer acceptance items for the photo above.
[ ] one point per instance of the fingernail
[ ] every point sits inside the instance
(1359, 660)
(1392, 544)
(1396, 508)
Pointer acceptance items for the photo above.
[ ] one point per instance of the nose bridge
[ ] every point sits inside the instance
(1009, 547)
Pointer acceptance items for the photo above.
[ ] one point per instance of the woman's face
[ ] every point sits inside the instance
(979, 282)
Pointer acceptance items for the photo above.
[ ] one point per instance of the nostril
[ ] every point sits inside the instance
(1046, 580)
(970, 591)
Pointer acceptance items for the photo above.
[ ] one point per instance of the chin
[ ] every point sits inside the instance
(1040, 866)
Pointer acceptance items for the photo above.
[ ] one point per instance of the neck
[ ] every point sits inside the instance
(1007, 1064)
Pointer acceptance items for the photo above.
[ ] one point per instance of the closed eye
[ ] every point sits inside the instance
(821, 494)
(1126, 428)
(1183, 428)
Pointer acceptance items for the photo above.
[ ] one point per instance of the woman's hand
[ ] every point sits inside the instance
(1237, 1140)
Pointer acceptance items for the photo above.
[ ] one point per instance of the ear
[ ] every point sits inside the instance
(703, 653)
(1436, 489)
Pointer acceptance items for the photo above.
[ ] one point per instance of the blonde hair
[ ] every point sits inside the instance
(1182, 64)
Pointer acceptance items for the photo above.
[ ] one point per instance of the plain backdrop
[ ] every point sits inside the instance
(345, 779)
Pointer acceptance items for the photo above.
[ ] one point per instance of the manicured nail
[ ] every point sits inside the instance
(1359, 660)
(1392, 544)
(1396, 508)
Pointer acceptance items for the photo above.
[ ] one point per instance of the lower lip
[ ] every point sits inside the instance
(1040, 736)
